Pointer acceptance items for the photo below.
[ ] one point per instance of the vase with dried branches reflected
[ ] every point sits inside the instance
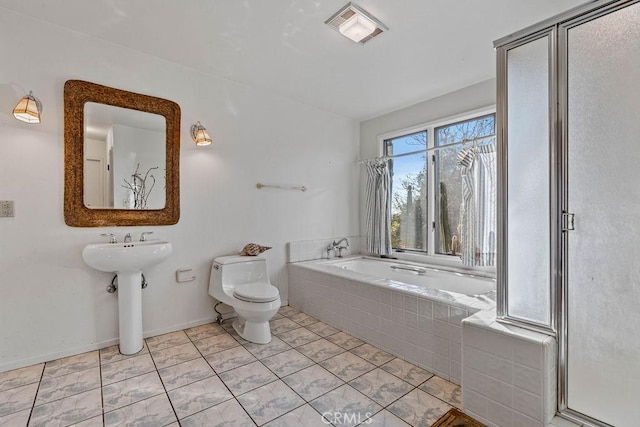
(140, 187)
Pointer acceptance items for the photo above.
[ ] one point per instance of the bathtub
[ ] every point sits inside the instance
(415, 277)
(411, 310)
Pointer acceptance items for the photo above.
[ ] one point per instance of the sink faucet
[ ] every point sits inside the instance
(127, 238)
(336, 245)
(111, 236)
(143, 236)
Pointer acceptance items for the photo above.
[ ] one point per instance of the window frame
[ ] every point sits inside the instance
(430, 256)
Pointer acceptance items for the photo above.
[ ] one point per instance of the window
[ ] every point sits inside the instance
(408, 191)
(448, 178)
(427, 183)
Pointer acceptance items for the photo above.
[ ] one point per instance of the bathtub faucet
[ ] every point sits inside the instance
(336, 245)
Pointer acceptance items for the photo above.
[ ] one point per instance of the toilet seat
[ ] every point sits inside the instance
(256, 292)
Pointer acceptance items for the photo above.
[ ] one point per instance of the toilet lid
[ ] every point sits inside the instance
(256, 292)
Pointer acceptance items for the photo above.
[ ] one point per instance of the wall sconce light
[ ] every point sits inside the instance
(28, 109)
(200, 135)
(356, 23)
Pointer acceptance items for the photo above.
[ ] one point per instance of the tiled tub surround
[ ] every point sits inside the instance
(209, 376)
(508, 373)
(417, 324)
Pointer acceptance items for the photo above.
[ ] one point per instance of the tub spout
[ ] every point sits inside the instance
(336, 245)
(344, 239)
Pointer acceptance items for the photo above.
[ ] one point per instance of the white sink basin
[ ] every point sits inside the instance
(125, 257)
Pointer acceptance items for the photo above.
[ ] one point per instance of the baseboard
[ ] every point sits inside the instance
(56, 355)
(96, 346)
(179, 327)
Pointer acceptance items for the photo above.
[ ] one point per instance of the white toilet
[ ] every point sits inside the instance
(243, 283)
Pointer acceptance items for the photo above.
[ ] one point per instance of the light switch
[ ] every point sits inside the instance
(6, 209)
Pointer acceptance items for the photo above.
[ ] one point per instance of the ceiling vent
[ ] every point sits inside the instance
(356, 23)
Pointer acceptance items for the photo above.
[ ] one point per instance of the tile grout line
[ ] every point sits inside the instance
(104, 422)
(126, 379)
(33, 405)
(278, 379)
(318, 364)
(380, 367)
(35, 398)
(166, 392)
(217, 375)
(383, 407)
(278, 376)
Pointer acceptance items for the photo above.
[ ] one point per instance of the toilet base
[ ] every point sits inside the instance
(255, 332)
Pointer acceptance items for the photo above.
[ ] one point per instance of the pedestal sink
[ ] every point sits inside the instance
(127, 260)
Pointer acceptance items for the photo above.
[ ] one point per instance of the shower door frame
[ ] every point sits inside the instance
(557, 27)
(502, 304)
(562, 308)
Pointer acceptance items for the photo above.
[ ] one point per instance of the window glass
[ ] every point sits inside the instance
(409, 191)
(448, 178)
(406, 144)
(427, 182)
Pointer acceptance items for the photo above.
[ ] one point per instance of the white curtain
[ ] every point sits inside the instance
(378, 224)
(478, 210)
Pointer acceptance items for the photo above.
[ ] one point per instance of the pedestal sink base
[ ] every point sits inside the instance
(130, 312)
(128, 260)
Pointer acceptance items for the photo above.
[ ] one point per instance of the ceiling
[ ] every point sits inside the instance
(283, 46)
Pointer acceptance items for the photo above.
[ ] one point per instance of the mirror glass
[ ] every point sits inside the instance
(124, 158)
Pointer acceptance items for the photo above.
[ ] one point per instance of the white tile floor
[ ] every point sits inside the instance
(209, 376)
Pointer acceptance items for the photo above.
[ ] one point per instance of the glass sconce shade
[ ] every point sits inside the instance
(200, 135)
(28, 109)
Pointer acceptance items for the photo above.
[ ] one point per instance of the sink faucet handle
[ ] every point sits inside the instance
(111, 236)
(127, 238)
(143, 236)
(331, 248)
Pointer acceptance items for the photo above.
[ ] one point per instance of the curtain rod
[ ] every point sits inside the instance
(440, 147)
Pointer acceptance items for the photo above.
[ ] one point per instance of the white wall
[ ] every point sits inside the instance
(462, 101)
(51, 304)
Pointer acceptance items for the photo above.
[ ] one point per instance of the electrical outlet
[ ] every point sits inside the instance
(6, 209)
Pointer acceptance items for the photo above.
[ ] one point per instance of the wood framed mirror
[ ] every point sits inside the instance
(121, 157)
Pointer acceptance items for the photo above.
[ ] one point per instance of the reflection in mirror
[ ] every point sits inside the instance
(125, 157)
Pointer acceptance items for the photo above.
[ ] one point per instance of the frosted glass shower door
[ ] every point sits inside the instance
(603, 259)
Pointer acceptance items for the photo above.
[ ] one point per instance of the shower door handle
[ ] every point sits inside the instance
(568, 221)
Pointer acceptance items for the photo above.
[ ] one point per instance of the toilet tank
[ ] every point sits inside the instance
(237, 270)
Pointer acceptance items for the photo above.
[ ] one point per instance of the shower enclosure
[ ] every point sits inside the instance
(569, 201)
